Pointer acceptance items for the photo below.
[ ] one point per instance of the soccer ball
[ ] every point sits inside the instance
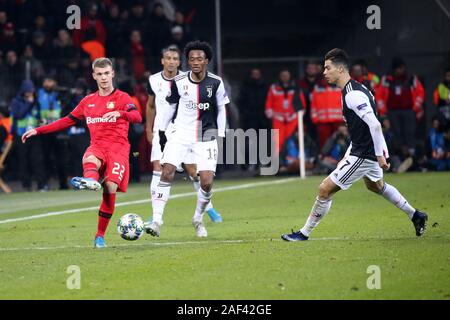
(130, 226)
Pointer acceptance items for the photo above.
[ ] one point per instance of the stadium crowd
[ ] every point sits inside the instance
(45, 70)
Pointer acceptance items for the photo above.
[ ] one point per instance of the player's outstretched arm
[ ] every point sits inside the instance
(28, 134)
(58, 125)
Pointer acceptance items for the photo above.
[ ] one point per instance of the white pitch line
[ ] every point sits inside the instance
(127, 203)
(156, 244)
(176, 243)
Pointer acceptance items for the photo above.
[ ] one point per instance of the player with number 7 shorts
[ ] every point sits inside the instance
(108, 113)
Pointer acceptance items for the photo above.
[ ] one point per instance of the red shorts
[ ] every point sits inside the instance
(115, 167)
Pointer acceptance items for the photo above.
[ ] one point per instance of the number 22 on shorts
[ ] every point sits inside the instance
(118, 169)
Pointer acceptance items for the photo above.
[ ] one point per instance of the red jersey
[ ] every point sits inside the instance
(112, 134)
(108, 135)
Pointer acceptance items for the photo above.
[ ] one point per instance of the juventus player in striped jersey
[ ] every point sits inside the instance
(197, 104)
(157, 105)
(366, 156)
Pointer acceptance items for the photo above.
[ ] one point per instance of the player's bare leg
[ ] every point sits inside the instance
(391, 194)
(319, 210)
(90, 179)
(203, 198)
(105, 212)
(191, 170)
(160, 198)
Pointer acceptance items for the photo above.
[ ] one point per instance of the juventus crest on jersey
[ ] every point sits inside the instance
(198, 104)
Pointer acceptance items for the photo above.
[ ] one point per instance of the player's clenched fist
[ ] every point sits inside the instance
(382, 162)
(28, 134)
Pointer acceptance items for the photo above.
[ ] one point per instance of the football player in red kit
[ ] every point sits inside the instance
(108, 113)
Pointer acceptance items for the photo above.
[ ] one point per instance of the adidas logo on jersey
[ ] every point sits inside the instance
(90, 120)
(201, 106)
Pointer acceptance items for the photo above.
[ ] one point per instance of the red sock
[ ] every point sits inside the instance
(105, 213)
(90, 170)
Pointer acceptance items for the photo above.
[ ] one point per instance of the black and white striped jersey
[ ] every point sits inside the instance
(200, 106)
(359, 110)
(159, 86)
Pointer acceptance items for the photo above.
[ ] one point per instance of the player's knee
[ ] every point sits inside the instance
(206, 181)
(324, 192)
(168, 173)
(374, 187)
(93, 159)
(111, 187)
(206, 186)
(191, 170)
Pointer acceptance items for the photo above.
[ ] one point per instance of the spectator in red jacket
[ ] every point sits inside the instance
(401, 97)
(137, 54)
(87, 22)
(326, 110)
(282, 103)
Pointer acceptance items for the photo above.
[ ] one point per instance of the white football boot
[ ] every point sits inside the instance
(153, 228)
(200, 229)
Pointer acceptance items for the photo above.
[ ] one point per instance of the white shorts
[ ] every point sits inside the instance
(156, 153)
(203, 154)
(353, 168)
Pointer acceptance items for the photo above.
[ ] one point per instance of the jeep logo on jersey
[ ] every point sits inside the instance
(194, 106)
(209, 89)
(90, 120)
(110, 105)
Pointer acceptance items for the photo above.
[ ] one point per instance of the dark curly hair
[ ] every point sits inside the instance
(199, 45)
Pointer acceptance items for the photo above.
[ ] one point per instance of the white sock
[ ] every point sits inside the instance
(318, 211)
(196, 184)
(391, 194)
(197, 187)
(203, 198)
(159, 200)
(155, 180)
(209, 205)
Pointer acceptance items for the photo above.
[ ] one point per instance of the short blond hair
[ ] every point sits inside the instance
(102, 63)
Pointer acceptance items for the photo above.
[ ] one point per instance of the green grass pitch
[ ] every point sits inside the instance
(243, 257)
